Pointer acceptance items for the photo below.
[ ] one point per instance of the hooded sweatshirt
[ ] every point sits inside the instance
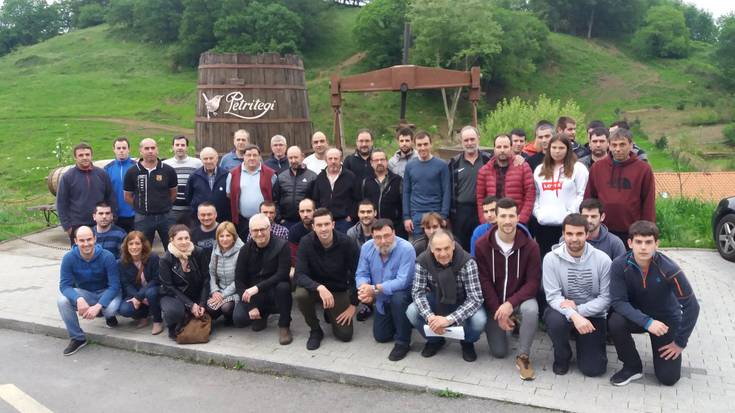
(558, 196)
(99, 273)
(513, 277)
(222, 270)
(627, 189)
(586, 282)
(606, 242)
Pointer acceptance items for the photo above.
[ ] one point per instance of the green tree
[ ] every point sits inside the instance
(664, 33)
(157, 21)
(196, 33)
(449, 36)
(724, 55)
(524, 45)
(26, 22)
(259, 28)
(379, 31)
(91, 15)
(590, 18)
(700, 23)
(120, 14)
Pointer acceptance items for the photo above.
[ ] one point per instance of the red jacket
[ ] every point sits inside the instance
(626, 189)
(518, 185)
(514, 279)
(266, 188)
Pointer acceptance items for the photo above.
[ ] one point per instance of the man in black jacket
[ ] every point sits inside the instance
(335, 188)
(292, 186)
(326, 262)
(385, 190)
(359, 162)
(208, 184)
(261, 279)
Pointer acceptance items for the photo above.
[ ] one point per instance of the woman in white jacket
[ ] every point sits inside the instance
(222, 294)
(560, 182)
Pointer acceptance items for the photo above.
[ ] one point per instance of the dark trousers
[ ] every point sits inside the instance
(547, 236)
(174, 313)
(342, 225)
(393, 325)
(667, 372)
(306, 300)
(150, 224)
(591, 353)
(400, 229)
(126, 223)
(153, 308)
(243, 230)
(464, 221)
(227, 309)
(275, 300)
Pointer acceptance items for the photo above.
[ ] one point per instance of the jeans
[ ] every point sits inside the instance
(150, 224)
(126, 223)
(153, 308)
(473, 326)
(591, 353)
(667, 372)
(497, 338)
(306, 300)
(416, 219)
(393, 324)
(275, 300)
(68, 310)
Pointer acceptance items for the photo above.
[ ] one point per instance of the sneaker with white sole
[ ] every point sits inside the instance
(74, 346)
(625, 376)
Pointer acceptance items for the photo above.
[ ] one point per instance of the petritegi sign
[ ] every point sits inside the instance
(235, 103)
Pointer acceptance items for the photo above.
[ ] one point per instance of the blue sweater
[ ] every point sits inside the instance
(99, 273)
(426, 187)
(663, 294)
(116, 170)
(110, 240)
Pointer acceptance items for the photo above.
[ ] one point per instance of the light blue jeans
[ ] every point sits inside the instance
(68, 310)
(473, 326)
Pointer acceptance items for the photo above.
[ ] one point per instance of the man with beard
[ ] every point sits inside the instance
(598, 236)
(317, 161)
(384, 189)
(509, 268)
(397, 163)
(503, 178)
(80, 189)
(292, 186)
(426, 186)
(335, 188)
(463, 169)
(359, 162)
(576, 278)
(109, 236)
(366, 216)
(599, 145)
(384, 277)
(302, 228)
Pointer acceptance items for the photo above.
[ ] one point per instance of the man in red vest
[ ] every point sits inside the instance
(248, 185)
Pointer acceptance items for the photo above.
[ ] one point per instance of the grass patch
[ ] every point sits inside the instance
(685, 222)
(449, 394)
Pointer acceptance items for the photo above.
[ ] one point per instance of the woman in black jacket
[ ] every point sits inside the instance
(140, 283)
(184, 277)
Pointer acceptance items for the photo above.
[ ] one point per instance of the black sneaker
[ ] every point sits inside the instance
(468, 351)
(432, 347)
(625, 376)
(111, 321)
(260, 325)
(364, 312)
(560, 369)
(399, 352)
(74, 346)
(315, 339)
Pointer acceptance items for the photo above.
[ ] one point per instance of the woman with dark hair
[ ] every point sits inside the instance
(140, 282)
(560, 183)
(222, 272)
(184, 277)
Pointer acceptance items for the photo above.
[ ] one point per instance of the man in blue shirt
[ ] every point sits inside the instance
(109, 236)
(124, 213)
(426, 186)
(488, 212)
(384, 277)
(89, 285)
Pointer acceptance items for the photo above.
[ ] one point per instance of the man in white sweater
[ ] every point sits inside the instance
(576, 278)
(184, 165)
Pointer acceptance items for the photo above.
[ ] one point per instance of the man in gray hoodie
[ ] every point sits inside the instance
(576, 279)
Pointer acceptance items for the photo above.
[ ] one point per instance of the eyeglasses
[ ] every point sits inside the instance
(259, 230)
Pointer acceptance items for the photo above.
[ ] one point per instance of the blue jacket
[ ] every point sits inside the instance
(197, 192)
(396, 274)
(663, 294)
(128, 273)
(78, 192)
(116, 170)
(99, 273)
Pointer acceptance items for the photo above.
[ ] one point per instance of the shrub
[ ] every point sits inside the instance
(685, 222)
(662, 143)
(516, 113)
(729, 133)
(664, 33)
(704, 117)
(91, 15)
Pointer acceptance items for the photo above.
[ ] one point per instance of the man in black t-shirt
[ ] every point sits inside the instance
(150, 187)
(300, 229)
(203, 235)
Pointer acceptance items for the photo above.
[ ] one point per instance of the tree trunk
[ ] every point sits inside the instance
(590, 22)
(450, 109)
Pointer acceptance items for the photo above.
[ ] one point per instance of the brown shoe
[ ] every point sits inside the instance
(141, 323)
(284, 336)
(524, 366)
(157, 329)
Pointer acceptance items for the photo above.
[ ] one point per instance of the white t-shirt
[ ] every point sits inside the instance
(314, 164)
(506, 247)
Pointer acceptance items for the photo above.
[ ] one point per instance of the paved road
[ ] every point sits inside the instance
(103, 379)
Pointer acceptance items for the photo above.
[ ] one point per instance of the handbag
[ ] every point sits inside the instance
(195, 331)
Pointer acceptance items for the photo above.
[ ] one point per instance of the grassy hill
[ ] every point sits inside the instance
(90, 85)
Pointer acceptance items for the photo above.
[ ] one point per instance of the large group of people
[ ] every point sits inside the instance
(548, 234)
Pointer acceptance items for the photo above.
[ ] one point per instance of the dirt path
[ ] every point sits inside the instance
(141, 125)
(350, 61)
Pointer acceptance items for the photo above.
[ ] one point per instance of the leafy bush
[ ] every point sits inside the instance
(685, 222)
(724, 55)
(664, 34)
(379, 31)
(259, 28)
(516, 113)
(729, 133)
(662, 143)
(704, 117)
(91, 15)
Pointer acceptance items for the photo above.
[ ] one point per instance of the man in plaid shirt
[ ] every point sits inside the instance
(446, 292)
(268, 209)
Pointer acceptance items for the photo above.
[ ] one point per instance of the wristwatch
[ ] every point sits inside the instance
(376, 290)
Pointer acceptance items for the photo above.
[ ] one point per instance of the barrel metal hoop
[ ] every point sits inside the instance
(269, 87)
(249, 66)
(203, 119)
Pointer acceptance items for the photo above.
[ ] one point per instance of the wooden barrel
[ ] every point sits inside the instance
(264, 94)
(54, 176)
